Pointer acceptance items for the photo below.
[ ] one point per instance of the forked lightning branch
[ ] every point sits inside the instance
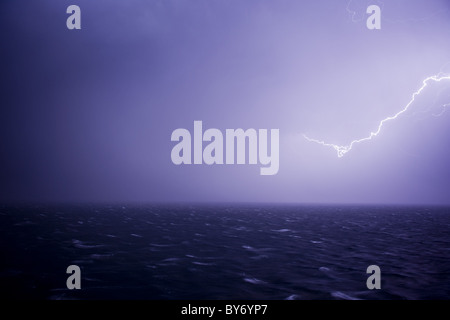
(343, 149)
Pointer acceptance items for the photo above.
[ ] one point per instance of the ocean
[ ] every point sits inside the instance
(242, 251)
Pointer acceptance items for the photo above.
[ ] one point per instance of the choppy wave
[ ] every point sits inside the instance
(233, 252)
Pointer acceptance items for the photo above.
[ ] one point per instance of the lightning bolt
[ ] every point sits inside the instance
(343, 149)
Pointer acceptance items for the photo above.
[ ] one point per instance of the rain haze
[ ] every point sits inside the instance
(87, 115)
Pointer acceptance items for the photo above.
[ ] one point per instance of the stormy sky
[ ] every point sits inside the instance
(87, 115)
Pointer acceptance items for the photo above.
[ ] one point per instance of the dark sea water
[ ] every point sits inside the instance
(225, 252)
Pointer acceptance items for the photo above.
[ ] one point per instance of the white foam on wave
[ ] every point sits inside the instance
(203, 263)
(97, 256)
(258, 250)
(282, 230)
(254, 281)
(293, 297)
(258, 257)
(135, 235)
(241, 228)
(171, 259)
(324, 269)
(344, 296)
(161, 245)
(83, 245)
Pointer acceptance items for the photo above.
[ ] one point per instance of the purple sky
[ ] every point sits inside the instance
(87, 115)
